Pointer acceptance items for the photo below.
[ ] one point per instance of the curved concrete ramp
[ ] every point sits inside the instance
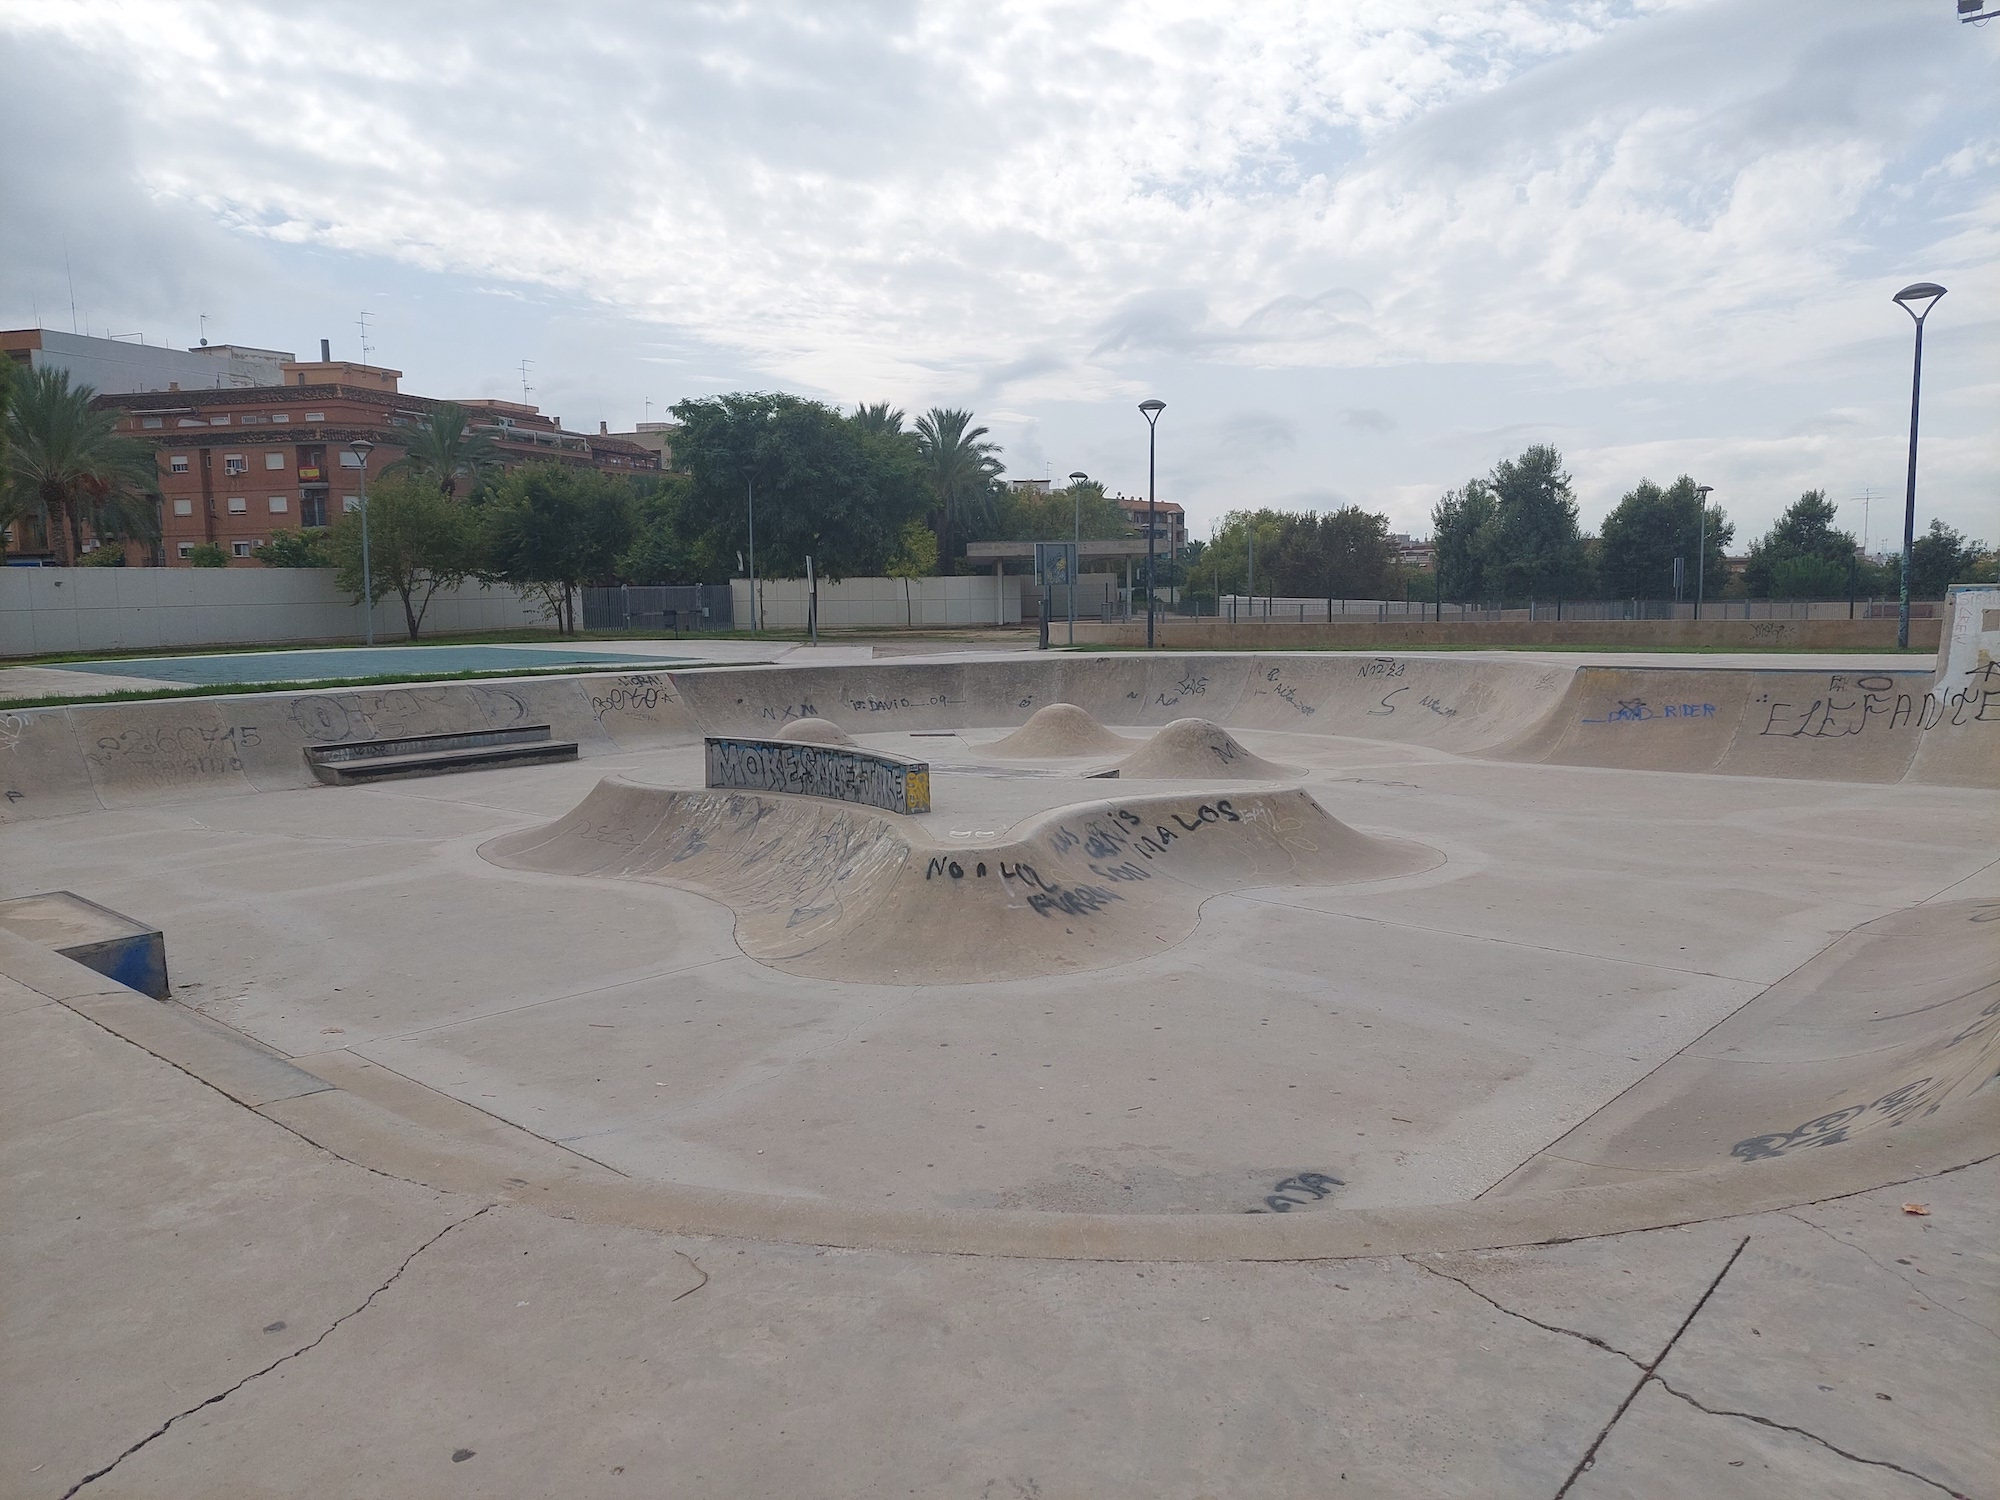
(1197, 749)
(841, 893)
(1893, 1023)
(1057, 731)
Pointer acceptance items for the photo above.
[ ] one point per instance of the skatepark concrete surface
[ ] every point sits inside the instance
(1510, 1089)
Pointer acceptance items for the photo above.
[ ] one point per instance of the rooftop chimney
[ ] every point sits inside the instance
(603, 428)
(326, 351)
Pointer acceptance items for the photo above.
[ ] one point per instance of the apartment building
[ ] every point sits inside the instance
(116, 367)
(237, 464)
(1170, 534)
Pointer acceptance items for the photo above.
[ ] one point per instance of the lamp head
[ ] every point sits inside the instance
(1918, 298)
(361, 448)
(1704, 490)
(1079, 477)
(1152, 409)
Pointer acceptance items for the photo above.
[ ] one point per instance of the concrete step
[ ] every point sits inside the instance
(436, 754)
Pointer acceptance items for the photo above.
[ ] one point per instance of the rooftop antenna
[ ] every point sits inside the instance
(649, 408)
(366, 348)
(203, 330)
(526, 389)
(72, 285)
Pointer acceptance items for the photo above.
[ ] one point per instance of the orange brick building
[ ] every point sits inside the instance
(237, 464)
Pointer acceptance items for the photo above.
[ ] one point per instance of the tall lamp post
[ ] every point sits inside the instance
(1701, 494)
(750, 495)
(1927, 294)
(1076, 562)
(361, 448)
(1152, 409)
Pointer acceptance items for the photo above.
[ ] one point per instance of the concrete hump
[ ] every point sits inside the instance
(813, 732)
(1059, 730)
(842, 893)
(1895, 1022)
(1199, 749)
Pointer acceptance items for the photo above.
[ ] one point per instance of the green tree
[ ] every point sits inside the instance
(915, 557)
(445, 448)
(673, 540)
(110, 555)
(552, 528)
(826, 487)
(1027, 515)
(961, 468)
(881, 419)
(1534, 548)
(304, 548)
(1941, 557)
(1648, 529)
(1806, 529)
(419, 541)
(69, 468)
(1808, 577)
(207, 555)
(1462, 524)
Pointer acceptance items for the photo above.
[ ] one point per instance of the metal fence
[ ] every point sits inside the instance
(675, 607)
(1265, 608)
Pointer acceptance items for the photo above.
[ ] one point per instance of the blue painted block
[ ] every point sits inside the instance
(97, 937)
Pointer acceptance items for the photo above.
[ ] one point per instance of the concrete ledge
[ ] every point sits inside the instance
(841, 773)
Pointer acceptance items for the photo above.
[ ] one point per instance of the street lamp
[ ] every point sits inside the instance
(361, 448)
(750, 493)
(1076, 478)
(1152, 409)
(1926, 293)
(1701, 494)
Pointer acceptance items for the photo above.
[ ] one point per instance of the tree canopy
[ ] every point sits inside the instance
(444, 449)
(962, 469)
(69, 468)
(551, 528)
(1805, 530)
(1648, 529)
(419, 541)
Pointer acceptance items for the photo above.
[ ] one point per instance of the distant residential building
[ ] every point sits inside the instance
(1170, 534)
(116, 366)
(656, 438)
(1030, 486)
(237, 464)
(1414, 552)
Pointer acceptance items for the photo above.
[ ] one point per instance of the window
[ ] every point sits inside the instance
(184, 507)
(274, 460)
(186, 549)
(251, 419)
(350, 503)
(241, 549)
(178, 463)
(312, 510)
(315, 416)
(218, 421)
(152, 421)
(280, 418)
(235, 463)
(238, 505)
(279, 505)
(349, 460)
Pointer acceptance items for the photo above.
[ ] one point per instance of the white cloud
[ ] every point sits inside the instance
(1051, 209)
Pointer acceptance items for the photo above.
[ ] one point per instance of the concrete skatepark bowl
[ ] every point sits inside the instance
(1381, 953)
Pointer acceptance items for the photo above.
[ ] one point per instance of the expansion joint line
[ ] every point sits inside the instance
(1879, 1463)
(1647, 1371)
(1929, 1296)
(224, 1395)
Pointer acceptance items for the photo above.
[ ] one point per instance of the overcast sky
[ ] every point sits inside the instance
(1362, 249)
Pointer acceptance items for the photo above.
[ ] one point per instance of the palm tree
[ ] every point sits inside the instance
(880, 419)
(68, 466)
(961, 469)
(445, 446)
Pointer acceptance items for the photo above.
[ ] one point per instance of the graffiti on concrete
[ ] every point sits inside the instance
(1298, 1192)
(1639, 711)
(843, 773)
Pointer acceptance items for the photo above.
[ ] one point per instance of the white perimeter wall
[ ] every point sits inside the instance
(118, 609)
(878, 603)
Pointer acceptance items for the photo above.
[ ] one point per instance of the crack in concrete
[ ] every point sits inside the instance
(95, 1475)
(1590, 1454)
(1930, 1297)
(1879, 1463)
(1574, 1333)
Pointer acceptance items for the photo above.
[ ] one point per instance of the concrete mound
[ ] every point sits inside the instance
(842, 893)
(814, 732)
(1058, 730)
(1894, 1022)
(1199, 748)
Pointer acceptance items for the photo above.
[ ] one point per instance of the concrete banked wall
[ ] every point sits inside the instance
(1844, 727)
